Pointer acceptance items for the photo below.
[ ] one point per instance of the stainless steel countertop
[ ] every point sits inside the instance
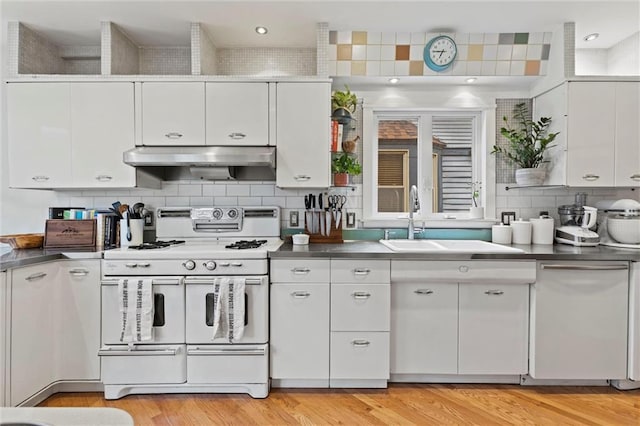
(375, 250)
(24, 257)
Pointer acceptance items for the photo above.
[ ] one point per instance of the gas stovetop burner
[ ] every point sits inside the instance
(156, 245)
(244, 244)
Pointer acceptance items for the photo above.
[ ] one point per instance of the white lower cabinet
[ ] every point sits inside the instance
(579, 321)
(359, 356)
(300, 331)
(452, 317)
(493, 329)
(55, 326)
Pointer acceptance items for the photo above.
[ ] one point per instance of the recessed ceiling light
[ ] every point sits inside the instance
(471, 79)
(591, 37)
(262, 30)
(394, 80)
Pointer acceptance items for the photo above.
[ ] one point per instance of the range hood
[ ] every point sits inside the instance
(201, 156)
(205, 162)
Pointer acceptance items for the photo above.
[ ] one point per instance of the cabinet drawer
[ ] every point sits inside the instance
(492, 272)
(228, 364)
(360, 307)
(359, 355)
(148, 364)
(360, 271)
(300, 271)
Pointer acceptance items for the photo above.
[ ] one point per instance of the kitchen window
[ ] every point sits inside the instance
(439, 151)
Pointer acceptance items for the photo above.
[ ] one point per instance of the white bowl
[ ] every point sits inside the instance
(300, 239)
(625, 231)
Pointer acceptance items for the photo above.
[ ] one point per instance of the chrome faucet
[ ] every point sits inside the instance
(414, 206)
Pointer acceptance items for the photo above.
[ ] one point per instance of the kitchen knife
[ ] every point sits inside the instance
(327, 218)
(316, 224)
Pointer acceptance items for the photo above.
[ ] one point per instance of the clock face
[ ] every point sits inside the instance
(440, 52)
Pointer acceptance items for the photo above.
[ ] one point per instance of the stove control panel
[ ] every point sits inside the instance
(216, 219)
(175, 267)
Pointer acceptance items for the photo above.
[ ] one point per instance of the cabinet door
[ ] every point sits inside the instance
(237, 114)
(591, 131)
(300, 331)
(579, 321)
(627, 152)
(424, 328)
(303, 128)
(102, 118)
(173, 113)
(39, 130)
(77, 320)
(33, 340)
(493, 337)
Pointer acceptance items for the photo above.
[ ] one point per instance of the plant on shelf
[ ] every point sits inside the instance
(342, 166)
(527, 145)
(343, 104)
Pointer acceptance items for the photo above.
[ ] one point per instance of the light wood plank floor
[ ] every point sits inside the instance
(400, 404)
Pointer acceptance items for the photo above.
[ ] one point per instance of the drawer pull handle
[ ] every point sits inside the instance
(360, 343)
(237, 135)
(361, 271)
(40, 178)
(224, 264)
(301, 294)
(301, 271)
(360, 295)
(494, 292)
(422, 291)
(137, 352)
(36, 276)
(131, 265)
(79, 272)
(225, 352)
(173, 135)
(236, 264)
(590, 177)
(302, 177)
(587, 267)
(144, 265)
(103, 178)
(635, 176)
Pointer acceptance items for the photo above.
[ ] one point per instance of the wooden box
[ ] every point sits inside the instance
(335, 234)
(70, 233)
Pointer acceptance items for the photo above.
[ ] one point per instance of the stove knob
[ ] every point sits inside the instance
(189, 265)
(210, 265)
(217, 214)
(233, 213)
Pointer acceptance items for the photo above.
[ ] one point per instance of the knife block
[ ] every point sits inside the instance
(335, 235)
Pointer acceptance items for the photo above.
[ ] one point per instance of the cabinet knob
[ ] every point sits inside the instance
(302, 177)
(590, 177)
(173, 135)
(463, 268)
(40, 178)
(494, 292)
(237, 135)
(103, 178)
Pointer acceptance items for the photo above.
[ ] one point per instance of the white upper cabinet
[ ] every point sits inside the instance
(173, 113)
(103, 128)
(591, 133)
(303, 129)
(39, 130)
(237, 114)
(627, 153)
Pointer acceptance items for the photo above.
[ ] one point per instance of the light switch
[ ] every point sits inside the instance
(293, 219)
(351, 219)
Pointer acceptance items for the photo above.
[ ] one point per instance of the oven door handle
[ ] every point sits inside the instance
(137, 352)
(209, 281)
(225, 352)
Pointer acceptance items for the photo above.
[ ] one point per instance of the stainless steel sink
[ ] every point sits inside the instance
(447, 246)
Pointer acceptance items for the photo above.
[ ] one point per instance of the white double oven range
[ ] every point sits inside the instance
(195, 246)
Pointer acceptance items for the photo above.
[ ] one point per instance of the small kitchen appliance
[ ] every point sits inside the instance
(580, 235)
(619, 223)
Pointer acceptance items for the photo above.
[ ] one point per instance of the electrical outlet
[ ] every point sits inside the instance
(351, 219)
(293, 219)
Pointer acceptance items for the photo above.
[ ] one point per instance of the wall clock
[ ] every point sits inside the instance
(440, 52)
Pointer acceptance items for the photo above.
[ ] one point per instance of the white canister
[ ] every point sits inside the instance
(501, 234)
(521, 232)
(542, 230)
(132, 235)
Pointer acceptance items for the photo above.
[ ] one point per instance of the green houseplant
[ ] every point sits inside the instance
(342, 166)
(343, 104)
(527, 145)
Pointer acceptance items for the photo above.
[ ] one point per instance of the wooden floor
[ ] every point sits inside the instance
(400, 404)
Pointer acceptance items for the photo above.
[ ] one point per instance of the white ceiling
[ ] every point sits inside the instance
(292, 23)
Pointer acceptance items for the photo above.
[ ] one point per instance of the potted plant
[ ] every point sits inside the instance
(527, 145)
(342, 166)
(343, 104)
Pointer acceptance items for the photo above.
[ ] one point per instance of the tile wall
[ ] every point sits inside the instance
(362, 53)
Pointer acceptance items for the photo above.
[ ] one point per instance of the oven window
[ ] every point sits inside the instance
(209, 309)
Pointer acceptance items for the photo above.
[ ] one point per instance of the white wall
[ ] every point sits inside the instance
(624, 57)
(591, 61)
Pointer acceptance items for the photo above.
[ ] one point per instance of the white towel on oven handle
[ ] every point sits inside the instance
(228, 308)
(136, 309)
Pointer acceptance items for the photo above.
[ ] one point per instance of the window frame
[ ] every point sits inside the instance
(483, 166)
